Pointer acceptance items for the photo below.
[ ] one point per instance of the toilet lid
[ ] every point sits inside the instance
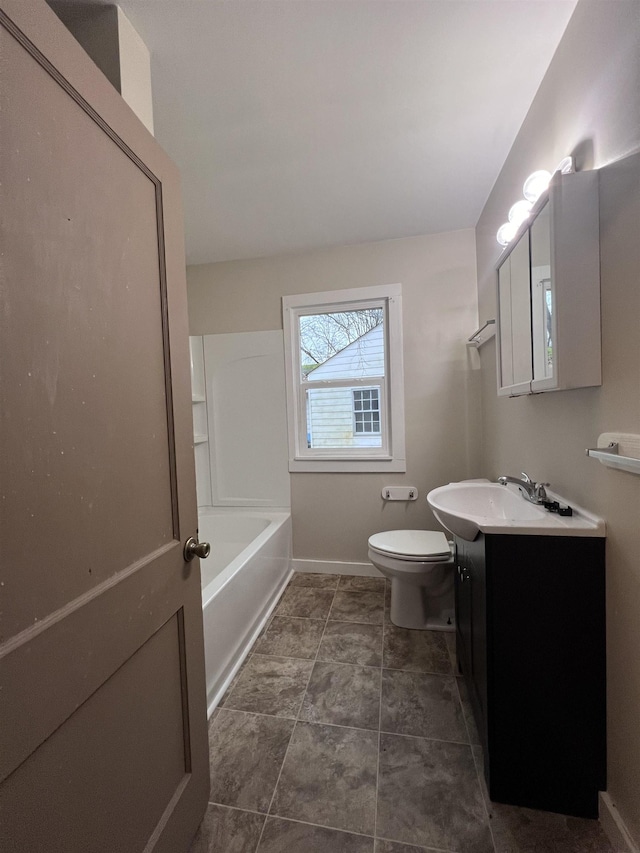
(412, 544)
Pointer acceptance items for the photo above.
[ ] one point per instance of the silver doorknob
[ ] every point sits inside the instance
(193, 548)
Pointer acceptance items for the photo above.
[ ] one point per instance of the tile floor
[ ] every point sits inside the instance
(345, 734)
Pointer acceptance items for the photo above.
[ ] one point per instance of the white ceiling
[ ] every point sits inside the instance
(303, 124)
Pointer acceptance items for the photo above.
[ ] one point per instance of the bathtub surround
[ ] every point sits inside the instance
(243, 492)
(247, 425)
(355, 737)
(437, 274)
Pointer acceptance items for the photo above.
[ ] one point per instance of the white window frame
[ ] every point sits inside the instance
(389, 457)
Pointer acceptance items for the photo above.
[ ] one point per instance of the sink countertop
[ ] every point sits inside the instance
(472, 506)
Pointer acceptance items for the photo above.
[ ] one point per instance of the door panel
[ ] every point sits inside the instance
(93, 419)
(134, 760)
(103, 732)
(69, 660)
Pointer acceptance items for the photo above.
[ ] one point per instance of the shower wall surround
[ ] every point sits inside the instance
(245, 463)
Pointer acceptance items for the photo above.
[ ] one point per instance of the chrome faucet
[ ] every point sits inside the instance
(532, 491)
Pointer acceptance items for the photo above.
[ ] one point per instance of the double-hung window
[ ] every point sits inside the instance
(366, 411)
(345, 401)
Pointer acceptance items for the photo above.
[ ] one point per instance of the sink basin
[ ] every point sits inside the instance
(475, 506)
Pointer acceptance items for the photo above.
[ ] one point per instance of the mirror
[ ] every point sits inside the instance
(542, 297)
(514, 303)
(548, 293)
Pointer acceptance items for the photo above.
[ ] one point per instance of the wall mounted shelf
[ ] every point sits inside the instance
(200, 426)
(609, 453)
(482, 335)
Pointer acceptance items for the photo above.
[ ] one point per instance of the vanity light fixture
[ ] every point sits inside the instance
(519, 212)
(534, 186)
(506, 233)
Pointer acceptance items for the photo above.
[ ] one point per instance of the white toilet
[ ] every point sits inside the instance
(419, 564)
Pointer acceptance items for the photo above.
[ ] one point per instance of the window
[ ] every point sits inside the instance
(345, 402)
(366, 411)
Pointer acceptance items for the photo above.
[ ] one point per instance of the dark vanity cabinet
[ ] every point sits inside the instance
(530, 617)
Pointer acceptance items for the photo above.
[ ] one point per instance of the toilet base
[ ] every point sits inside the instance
(412, 608)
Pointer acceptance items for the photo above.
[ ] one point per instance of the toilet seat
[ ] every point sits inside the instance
(424, 546)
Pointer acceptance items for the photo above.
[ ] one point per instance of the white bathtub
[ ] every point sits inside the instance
(242, 579)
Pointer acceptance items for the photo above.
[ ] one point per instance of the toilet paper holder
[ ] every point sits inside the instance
(399, 493)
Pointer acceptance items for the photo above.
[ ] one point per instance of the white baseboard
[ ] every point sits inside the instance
(614, 827)
(331, 567)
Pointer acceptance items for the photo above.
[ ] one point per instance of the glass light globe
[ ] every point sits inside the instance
(506, 233)
(519, 212)
(565, 165)
(535, 185)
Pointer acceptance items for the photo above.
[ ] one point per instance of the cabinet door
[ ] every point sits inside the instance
(542, 297)
(514, 321)
(521, 315)
(471, 636)
(505, 347)
(565, 285)
(477, 592)
(463, 610)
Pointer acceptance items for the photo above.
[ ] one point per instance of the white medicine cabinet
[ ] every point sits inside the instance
(548, 293)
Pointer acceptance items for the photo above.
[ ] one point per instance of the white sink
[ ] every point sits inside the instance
(474, 506)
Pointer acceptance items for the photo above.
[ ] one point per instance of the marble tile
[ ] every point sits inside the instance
(305, 602)
(387, 602)
(234, 681)
(472, 729)
(422, 705)
(361, 584)
(396, 847)
(285, 836)
(329, 778)
(387, 593)
(344, 695)
(246, 753)
(518, 830)
(358, 607)
(428, 795)
(315, 580)
(227, 829)
(352, 642)
(478, 758)
(271, 685)
(266, 625)
(291, 636)
(415, 651)
(450, 640)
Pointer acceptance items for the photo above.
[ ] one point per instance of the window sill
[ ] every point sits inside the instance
(346, 466)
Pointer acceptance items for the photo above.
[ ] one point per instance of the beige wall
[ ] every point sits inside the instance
(588, 104)
(109, 38)
(334, 514)
(135, 71)
(96, 29)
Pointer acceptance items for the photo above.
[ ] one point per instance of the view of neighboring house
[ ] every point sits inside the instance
(340, 415)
